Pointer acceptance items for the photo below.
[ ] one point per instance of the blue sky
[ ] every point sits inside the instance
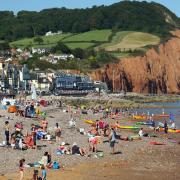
(37, 5)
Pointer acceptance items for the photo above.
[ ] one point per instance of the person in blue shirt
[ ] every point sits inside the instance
(44, 173)
(171, 117)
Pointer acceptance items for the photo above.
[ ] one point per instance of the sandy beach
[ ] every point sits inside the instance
(138, 159)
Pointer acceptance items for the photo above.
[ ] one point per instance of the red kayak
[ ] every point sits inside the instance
(156, 143)
(162, 115)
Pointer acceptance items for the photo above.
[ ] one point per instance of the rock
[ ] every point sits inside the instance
(155, 72)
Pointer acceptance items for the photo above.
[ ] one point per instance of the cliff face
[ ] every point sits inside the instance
(158, 71)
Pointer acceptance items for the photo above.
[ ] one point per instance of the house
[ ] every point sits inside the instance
(54, 58)
(49, 33)
(40, 50)
(41, 83)
(8, 59)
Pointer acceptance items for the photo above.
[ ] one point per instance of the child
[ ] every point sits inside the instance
(21, 168)
(35, 175)
(43, 172)
(13, 141)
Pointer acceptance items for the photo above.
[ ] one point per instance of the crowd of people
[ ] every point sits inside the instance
(17, 139)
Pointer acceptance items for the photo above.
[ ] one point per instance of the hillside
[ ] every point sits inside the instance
(72, 40)
(130, 40)
(123, 16)
(122, 43)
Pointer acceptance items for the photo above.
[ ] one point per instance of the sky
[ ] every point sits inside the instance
(37, 5)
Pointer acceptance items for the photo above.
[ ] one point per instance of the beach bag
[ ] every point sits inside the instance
(100, 154)
(12, 109)
(56, 165)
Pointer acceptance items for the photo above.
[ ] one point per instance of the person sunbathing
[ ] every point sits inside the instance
(62, 149)
(77, 150)
(29, 141)
(142, 134)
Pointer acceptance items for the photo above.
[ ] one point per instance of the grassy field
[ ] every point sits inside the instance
(95, 35)
(48, 41)
(82, 40)
(126, 40)
(82, 45)
(122, 41)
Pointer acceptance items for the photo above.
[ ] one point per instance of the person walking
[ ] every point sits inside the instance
(44, 173)
(57, 133)
(21, 168)
(7, 129)
(112, 140)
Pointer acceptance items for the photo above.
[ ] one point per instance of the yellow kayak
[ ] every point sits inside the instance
(89, 122)
(128, 127)
(139, 117)
(171, 130)
(174, 131)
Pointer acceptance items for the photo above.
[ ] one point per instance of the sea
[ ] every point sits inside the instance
(166, 107)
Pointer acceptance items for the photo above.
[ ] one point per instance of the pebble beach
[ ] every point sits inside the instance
(137, 158)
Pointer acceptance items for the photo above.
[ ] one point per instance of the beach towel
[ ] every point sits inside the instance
(56, 165)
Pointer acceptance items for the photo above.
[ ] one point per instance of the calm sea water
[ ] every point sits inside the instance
(167, 107)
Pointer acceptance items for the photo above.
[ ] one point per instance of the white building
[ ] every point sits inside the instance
(49, 33)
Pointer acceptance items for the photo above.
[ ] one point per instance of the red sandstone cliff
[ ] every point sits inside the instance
(158, 71)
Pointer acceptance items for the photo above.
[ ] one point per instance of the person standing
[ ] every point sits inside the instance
(44, 124)
(165, 127)
(44, 173)
(7, 129)
(21, 168)
(171, 118)
(33, 132)
(112, 140)
(57, 133)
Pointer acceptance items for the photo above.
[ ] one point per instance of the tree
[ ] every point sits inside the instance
(104, 57)
(79, 53)
(61, 47)
(4, 45)
(94, 64)
(38, 40)
(125, 15)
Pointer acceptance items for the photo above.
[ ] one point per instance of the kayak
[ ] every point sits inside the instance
(174, 131)
(156, 143)
(139, 117)
(162, 115)
(89, 122)
(171, 130)
(128, 127)
(144, 123)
